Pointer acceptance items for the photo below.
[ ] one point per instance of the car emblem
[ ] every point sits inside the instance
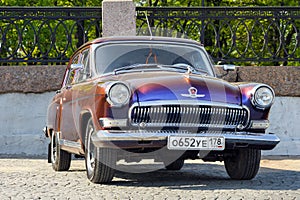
(193, 93)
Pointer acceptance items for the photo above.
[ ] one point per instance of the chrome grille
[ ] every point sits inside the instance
(188, 115)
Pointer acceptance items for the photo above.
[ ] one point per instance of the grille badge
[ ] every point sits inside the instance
(142, 125)
(193, 93)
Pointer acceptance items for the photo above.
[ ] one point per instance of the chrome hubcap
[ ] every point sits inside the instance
(54, 147)
(90, 149)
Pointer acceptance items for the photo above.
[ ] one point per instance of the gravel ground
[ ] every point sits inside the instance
(35, 179)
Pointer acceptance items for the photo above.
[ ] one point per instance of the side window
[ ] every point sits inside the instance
(72, 74)
(85, 73)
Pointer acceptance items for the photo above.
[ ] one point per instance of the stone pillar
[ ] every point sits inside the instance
(118, 18)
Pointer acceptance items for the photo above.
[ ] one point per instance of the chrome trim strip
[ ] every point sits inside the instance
(186, 102)
(110, 136)
(71, 146)
(248, 119)
(192, 125)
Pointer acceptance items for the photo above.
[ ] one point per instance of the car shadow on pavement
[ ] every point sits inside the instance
(210, 177)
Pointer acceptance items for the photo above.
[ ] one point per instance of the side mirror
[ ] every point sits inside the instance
(229, 67)
(226, 67)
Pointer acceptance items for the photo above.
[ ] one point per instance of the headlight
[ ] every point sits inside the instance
(118, 94)
(263, 97)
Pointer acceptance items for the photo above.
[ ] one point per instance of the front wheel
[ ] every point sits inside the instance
(244, 164)
(60, 159)
(100, 162)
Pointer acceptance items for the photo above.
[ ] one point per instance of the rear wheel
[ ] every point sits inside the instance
(244, 164)
(176, 165)
(100, 162)
(60, 159)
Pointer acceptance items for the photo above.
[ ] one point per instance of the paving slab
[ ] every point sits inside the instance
(35, 179)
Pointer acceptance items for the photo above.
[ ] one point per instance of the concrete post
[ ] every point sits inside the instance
(118, 18)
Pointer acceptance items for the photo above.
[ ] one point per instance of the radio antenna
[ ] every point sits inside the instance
(146, 15)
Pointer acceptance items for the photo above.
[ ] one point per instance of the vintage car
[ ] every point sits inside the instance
(130, 98)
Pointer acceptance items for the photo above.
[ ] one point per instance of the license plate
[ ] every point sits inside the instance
(196, 143)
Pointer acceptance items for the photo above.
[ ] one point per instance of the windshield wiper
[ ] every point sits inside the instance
(137, 66)
(187, 67)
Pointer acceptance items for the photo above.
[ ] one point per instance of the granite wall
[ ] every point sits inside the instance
(38, 79)
(285, 80)
(30, 79)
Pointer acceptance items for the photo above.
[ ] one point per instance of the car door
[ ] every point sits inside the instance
(66, 119)
(81, 91)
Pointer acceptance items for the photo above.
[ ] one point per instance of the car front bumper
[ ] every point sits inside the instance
(158, 139)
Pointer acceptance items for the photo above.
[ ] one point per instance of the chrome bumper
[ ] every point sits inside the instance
(158, 139)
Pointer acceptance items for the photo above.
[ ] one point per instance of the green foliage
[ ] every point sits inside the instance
(37, 39)
(193, 3)
(237, 37)
(244, 29)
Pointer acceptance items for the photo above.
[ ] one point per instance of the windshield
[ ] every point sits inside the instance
(116, 57)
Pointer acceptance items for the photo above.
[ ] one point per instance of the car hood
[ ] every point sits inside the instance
(173, 86)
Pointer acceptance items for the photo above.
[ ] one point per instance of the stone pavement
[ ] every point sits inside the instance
(35, 179)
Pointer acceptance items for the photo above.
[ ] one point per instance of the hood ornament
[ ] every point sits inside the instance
(188, 72)
(193, 93)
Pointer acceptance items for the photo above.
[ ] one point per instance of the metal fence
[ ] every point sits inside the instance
(43, 35)
(248, 35)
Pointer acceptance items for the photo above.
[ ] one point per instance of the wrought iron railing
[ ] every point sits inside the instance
(43, 35)
(248, 35)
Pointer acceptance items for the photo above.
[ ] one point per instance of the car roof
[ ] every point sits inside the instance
(139, 38)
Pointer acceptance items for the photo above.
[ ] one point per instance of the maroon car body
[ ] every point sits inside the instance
(138, 97)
